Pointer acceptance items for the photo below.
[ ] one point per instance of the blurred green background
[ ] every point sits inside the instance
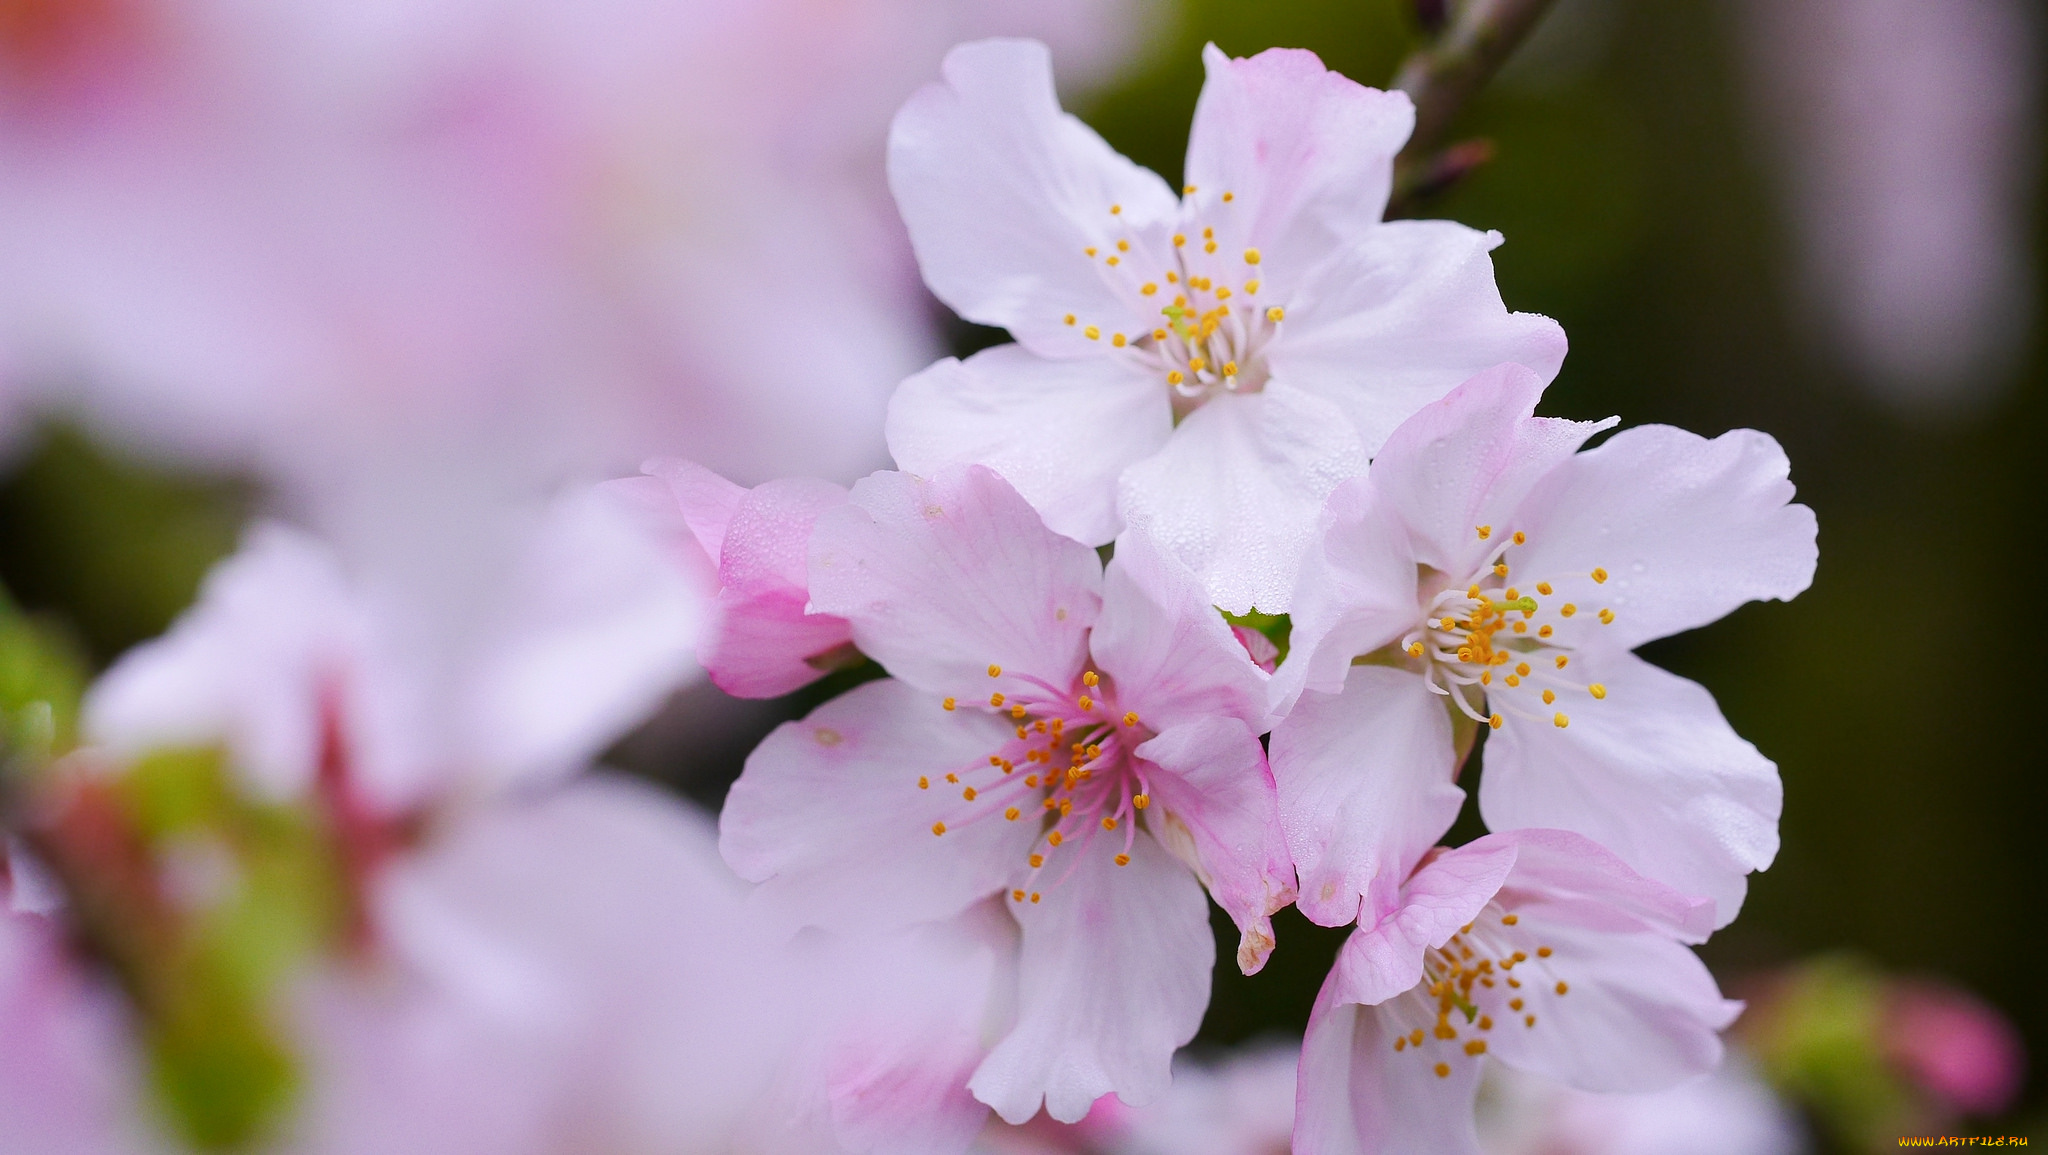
(1631, 190)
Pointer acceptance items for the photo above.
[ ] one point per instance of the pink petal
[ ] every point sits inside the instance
(1384, 957)
(1365, 780)
(1002, 192)
(945, 578)
(1171, 656)
(1356, 593)
(1114, 978)
(707, 501)
(1358, 1096)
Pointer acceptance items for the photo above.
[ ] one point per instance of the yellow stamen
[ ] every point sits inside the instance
(1598, 691)
(1560, 721)
(938, 828)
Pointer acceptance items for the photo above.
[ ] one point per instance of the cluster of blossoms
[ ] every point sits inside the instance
(1341, 548)
(1206, 588)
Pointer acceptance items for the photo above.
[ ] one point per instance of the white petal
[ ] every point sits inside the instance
(1688, 529)
(1002, 193)
(1236, 492)
(946, 577)
(1469, 460)
(1114, 978)
(1386, 327)
(829, 817)
(1365, 780)
(1642, 1013)
(1359, 1096)
(1356, 592)
(1652, 772)
(1060, 431)
(1307, 154)
(1172, 657)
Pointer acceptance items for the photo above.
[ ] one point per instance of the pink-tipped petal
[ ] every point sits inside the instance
(707, 501)
(1384, 957)
(1357, 1096)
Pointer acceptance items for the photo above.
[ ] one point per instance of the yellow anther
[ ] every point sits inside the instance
(1012, 813)
(968, 794)
(1117, 340)
(950, 704)
(1510, 919)
(995, 671)
(1159, 334)
(938, 828)
(1401, 1044)
(1091, 332)
(1179, 239)
(995, 699)
(1495, 721)
(1054, 839)
(1485, 1024)
(1109, 824)
(1486, 679)
(1515, 1004)
(1148, 288)
(1114, 261)
(1464, 655)
(1521, 538)
(1522, 668)
(1017, 712)
(1500, 569)
(1251, 256)
(1140, 801)
(1516, 983)
(1599, 575)
(1476, 1047)
(1549, 696)
(1094, 751)
(1023, 732)
(1606, 617)
(1227, 198)
(1543, 631)
(1512, 594)
(1115, 209)
(1276, 314)
(1131, 718)
(1197, 364)
(1528, 1020)
(1090, 250)
(1070, 318)
(1563, 987)
(1188, 190)
(1513, 681)
(1443, 1070)
(1562, 661)
(1017, 895)
(1251, 286)
(1597, 690)
(1543, 588)
(1086, 702)
(1123, 860)
(1174, 378)
(1223, 294)
(1485, 531)
(1037, 860)
(1035, 897)
(1542, 952)
(1521, 627)
(1031, 780)
(1520, 957)
(1560, 721)
(1091, 678)
(1123, 246)
(923, 783)
(1210, 233)
(1472, 591)
(1414, 649)
(1230, 368)
(1568, 609)
(953, 778)
(1208, 246)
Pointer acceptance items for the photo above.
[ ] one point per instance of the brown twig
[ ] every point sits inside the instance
(1441, 77)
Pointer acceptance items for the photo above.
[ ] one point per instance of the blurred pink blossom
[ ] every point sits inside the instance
(1955, 1046)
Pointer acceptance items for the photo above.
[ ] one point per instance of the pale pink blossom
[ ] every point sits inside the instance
(1535, 948)
(473, 675)
(1081, 743)
(1204, 365)
(1731, 1111)
(759, 641)
(1491, 576)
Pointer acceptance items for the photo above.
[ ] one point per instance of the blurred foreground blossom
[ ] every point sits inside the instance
(1212, 363)
(1906, 142)
(562, 235)
(1729, 1112)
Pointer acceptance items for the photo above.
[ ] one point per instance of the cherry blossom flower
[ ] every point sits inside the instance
(1214, 362)
(463, 675)
(759, 642)
(1537, 948)
(1487, 575)
(1729, 1110)
(1082, 743)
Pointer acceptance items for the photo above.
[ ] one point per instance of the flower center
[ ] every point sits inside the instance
(1494, 649)
(1490, 973)
(1068, 768)
(1213, 330)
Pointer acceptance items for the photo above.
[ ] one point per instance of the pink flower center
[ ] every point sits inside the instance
(1497, 644)
(1491, 973)
(1214, 328)
(1068, 768)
